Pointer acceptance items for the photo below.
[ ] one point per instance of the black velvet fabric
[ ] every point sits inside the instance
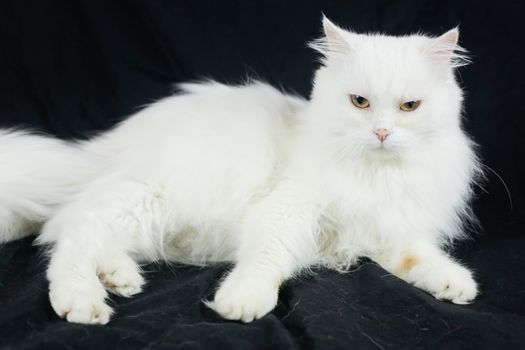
(73, 68)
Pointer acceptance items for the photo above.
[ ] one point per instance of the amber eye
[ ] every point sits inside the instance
(410, 106)
(359, 101)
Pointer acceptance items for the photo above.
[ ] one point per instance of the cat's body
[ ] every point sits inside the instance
(268, 181)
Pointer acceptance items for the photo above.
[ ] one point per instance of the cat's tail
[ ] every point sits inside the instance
(37, 174)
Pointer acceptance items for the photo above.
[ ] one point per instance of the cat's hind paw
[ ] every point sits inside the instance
(122, 277)
(244, 299)
(86, 307)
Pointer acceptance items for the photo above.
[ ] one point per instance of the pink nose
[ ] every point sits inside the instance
(382, 134)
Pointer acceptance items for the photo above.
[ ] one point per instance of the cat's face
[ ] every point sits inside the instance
(384, 96)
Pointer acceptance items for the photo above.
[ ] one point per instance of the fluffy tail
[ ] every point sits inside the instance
(37, 174)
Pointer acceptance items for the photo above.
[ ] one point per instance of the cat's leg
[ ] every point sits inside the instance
(90, 255)
(75, 291)
(277, 240)
(79, 280)
(426, 266)
(85, 263)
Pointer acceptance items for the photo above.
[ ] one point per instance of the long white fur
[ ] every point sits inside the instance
(269, 181)
(38, 174)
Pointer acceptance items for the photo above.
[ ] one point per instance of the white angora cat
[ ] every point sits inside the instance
(375, 164)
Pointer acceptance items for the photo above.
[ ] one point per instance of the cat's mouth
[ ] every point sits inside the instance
(383, 150)
(383, 146)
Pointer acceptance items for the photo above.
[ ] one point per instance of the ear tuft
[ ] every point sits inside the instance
(445, 49)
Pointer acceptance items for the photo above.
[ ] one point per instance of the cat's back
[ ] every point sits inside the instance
(204, 113)
(211, 143)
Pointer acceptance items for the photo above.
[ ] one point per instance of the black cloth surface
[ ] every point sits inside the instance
(73, 68)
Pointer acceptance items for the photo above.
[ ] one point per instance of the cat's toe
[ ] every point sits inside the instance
(244, 300)
(80, 306)
(122, 278)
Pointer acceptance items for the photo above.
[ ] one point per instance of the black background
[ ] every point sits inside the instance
(73, 68)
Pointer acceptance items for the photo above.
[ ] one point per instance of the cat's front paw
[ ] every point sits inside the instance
(245, 299)
(452, 282)
(85, 306)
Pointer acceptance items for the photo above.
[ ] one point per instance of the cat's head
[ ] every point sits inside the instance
(382, 96)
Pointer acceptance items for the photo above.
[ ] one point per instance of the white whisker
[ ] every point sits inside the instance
(503, 182)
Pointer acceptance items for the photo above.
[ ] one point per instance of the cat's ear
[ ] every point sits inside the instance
(333, 42)
(335, 37)
(445, 49)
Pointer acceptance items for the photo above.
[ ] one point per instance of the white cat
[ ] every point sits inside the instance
(375, 164)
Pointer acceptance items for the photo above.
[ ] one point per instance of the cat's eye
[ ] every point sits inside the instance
(359, 101)
(409, 106)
